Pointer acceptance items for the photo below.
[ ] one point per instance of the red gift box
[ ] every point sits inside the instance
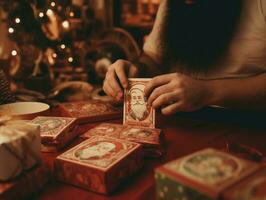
(26, 185)
(56, 132)
(150, 138)
(98, 164)
(90, 111)
(253, 187)
(205, 174)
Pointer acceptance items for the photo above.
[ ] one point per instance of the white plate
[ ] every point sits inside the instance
(24, 109)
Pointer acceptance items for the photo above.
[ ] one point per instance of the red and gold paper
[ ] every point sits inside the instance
(208, 171)
(56, 132)
(251, 188)
(90, 111)
(99, 163)
(136, 110)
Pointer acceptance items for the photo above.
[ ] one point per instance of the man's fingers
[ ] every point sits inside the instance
(171, 109)
(108, 89)
(120, 73)
(111, 80)
(133, 71)
(158, 92)
(155, 82)
(166, 99)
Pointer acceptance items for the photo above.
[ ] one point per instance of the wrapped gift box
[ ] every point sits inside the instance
(202, 175)
(19, 147)
(90, 111)
(27, 185)
(56, 132)
(251, 188)
(150, 138)
(98, 164)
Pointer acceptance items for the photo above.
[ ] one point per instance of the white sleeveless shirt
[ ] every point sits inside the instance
(246, 54)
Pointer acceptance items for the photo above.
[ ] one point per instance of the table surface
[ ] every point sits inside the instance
(184, 134)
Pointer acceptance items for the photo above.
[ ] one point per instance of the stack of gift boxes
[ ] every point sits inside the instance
(110, 153)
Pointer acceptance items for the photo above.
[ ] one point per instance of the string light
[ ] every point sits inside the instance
(53, 4)
(63, 46)
(14, 53)
(65, 24)
(41, 14)
(49, 12)
(54, 55)
(70, 59)
(71, 14)
(17, 20)
(11, 30)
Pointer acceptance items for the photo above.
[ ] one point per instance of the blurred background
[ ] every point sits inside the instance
(47, 43)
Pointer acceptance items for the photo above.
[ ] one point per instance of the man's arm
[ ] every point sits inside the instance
(242, 93)
(176, 92)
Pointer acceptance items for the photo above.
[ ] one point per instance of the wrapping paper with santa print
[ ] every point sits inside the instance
(19, 147)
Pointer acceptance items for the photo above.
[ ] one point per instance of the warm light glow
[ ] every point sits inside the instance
(17, 20)
(49, 12)
(54, 55)
(11, 30)
(63, 46)
(14, 53)
(70, 59)
(41, 14)
(65, 24)
(71, 14)
(53, 4)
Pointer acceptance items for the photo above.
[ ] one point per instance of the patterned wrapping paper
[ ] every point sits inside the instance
(27, 185)
(202, 175)
(56, 132)
(251, 188)
(99, 164)
(136, 110)
(90, 111)
(150, 138)
(19, 147)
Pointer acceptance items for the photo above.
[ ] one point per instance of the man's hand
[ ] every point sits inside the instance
(116, 78)
(177, 92)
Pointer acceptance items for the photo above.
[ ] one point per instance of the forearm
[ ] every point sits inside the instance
(243, 93)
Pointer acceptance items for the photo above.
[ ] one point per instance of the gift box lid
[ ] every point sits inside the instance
(253, 187)
(99, 152)
(208, 171)
(136, 110)
(141, 135)
(93, 110)
(53, 127)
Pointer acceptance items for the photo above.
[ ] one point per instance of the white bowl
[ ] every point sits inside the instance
(24, 110)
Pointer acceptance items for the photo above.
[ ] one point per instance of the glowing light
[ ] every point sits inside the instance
(53, 4)
(17, 20)
(65, 24)
(63, 46)
(49, 12)
(11, 30)
(71, 14)
(14, 53)
(41, 14)
(70, 59)
(54, 55)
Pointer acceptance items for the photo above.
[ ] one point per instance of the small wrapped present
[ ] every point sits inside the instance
(56, 132)
(251, 188)
(150, 138)
(205, 174)
(19, 147)
(90, 111)
(99, 164)
(27, 186)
